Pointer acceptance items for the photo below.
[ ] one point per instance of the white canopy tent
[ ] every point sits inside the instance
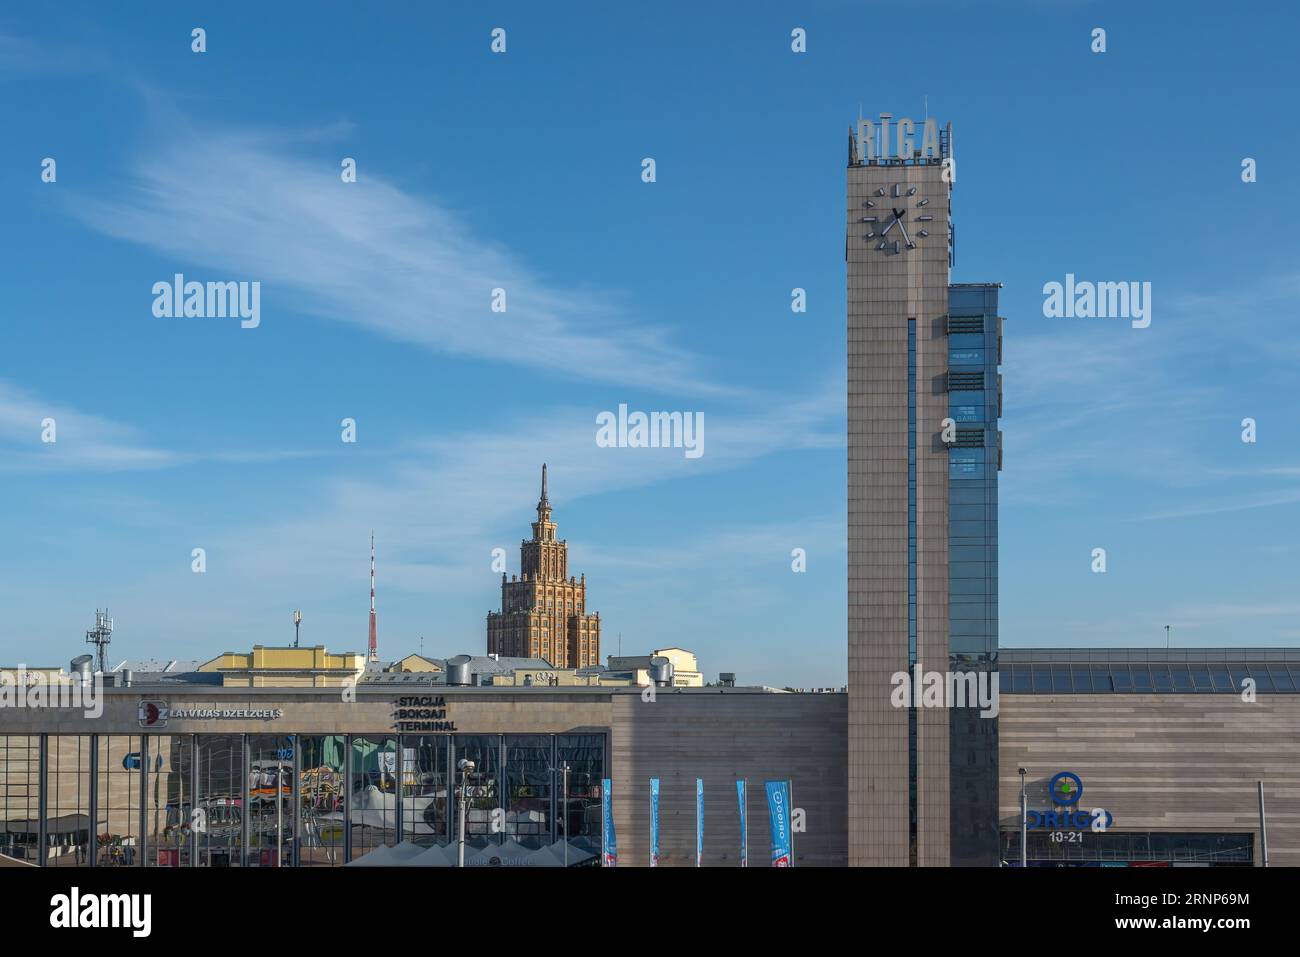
(508, 854)
(437, 855)
(385, 856)
(555, 852)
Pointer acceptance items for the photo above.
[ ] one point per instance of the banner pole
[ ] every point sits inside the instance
(789, 790)
(744, 823)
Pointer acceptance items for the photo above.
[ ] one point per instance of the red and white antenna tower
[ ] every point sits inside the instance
(374, 643)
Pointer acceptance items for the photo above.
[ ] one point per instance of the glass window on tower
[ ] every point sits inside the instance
(972, 573)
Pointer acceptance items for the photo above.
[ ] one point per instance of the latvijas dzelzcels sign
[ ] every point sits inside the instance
(155, 714)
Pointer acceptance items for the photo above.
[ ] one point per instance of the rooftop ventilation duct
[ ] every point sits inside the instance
(82, 668)
(661, 671)
(458, 675)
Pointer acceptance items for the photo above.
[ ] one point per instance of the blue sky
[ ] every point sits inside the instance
(522, 171)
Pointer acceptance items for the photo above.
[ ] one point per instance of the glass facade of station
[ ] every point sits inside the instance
(1132, 849)
(1149, 670)
(264, 800)
(974, 459)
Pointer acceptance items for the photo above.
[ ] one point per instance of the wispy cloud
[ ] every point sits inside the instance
(1238, 503)
(87, 442)
(736, 551)
(82, 440)
(443, 504)
(1090, 407)
(448, 499)
(27, 54)
(373, 255)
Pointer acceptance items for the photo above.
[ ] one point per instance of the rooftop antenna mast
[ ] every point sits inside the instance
(373, 654)
(100, 636)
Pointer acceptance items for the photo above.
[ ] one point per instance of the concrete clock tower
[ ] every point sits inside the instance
(898, 249)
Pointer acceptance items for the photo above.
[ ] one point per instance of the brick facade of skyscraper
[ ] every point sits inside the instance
(544, 608)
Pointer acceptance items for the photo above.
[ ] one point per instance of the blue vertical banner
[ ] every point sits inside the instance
(778, 814)
(608, 845)
(744, 833)
(699, 821)
(654, 822)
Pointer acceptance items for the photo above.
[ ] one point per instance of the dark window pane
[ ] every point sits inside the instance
(1061, 679)
(528, 780)
(482, 791)
(1182, 678)
(584, 755)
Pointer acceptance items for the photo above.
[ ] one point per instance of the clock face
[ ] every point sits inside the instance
(896, 219)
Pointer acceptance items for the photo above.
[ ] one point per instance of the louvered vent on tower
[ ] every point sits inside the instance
(965, 381)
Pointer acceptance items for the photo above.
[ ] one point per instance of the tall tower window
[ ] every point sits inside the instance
(912, 813)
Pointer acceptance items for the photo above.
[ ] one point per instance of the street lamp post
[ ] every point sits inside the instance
(279, 812)
(565, 767)
(1263, 826)
(466, 768)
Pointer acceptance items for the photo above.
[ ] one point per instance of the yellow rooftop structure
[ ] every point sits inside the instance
(287, 667)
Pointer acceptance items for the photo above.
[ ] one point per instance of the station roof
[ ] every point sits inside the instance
(1147, 670)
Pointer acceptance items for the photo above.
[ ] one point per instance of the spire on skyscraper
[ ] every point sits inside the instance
(543, 511)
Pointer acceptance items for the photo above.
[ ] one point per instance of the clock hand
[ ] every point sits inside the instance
(907, 238)
(891, 223)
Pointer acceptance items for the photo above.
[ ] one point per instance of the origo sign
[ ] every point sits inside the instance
(1066, 790)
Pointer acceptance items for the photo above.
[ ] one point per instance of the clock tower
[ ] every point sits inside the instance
(898, 250)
